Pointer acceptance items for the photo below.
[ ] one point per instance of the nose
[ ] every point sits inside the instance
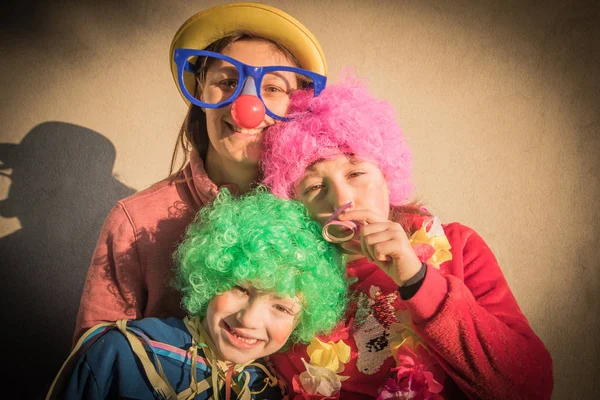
(340, 194)
(248, 111)
(251, 315)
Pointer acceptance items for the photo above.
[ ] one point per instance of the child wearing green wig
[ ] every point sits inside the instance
(255, 275)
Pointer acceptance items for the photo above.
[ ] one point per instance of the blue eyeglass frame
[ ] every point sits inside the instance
(181, 56)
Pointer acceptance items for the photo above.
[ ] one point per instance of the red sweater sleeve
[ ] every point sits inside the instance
(114, 287)
(469, 318)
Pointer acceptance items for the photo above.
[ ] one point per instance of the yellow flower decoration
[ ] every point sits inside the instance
(401, 334)
(435, 238)
(328, 355)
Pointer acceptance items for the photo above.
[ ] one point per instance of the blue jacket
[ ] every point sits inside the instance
(107, 367)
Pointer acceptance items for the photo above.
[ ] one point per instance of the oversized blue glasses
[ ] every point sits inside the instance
(223, 79)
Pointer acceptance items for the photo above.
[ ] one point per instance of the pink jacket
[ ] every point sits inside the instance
(130, 274)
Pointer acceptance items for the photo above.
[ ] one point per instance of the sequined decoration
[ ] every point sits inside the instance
(383, 309)
(363, 309)
(372, 336)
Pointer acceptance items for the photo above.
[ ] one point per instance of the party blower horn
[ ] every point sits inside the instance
(336, 231)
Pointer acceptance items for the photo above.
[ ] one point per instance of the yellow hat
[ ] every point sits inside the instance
(205, 27)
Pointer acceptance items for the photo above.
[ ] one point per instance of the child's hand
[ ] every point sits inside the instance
(385, 243)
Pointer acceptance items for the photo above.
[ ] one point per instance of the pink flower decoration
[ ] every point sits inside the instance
(423, 251)
(418, 376)
(392, 390)
(340, 332)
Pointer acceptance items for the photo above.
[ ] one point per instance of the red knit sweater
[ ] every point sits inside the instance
(466, 315)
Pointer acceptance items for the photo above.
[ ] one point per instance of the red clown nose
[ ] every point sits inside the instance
(248, 111)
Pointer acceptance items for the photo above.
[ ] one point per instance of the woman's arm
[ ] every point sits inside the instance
(114, 286)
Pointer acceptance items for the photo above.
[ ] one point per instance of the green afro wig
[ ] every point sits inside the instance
(271, 243)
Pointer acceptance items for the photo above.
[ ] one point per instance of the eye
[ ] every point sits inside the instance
(355, 174)
(283, 309)
(228, 84)
(314, 188)
(272, 91)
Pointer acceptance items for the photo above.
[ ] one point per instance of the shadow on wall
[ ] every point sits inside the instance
(62, 190)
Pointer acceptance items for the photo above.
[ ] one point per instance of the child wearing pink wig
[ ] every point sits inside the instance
(432, 315)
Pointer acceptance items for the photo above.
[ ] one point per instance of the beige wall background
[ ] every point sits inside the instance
(500, 100)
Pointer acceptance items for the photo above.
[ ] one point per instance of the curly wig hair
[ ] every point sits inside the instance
(269, 242)
(343, 119)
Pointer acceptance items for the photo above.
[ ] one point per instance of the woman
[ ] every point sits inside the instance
(431, 314)
(209, 54)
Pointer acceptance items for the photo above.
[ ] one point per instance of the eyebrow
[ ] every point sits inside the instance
(312, 164)
(307, 175)
(269, 293)
(277, 297)
(222, 68)
(350, 159)
(295, 300)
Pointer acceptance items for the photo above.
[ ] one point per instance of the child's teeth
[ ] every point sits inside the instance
(245, 340)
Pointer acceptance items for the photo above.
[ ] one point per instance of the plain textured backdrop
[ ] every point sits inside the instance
(500, 101)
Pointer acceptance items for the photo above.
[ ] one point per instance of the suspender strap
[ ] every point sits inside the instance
(221, 371)
(157, 379)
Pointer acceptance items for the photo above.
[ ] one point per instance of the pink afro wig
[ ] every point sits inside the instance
(343, 119)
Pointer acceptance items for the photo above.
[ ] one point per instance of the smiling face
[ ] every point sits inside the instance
(329, 184)
(245, 323)
(229, 142)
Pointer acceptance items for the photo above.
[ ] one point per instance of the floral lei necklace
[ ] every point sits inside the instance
(416, 374)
